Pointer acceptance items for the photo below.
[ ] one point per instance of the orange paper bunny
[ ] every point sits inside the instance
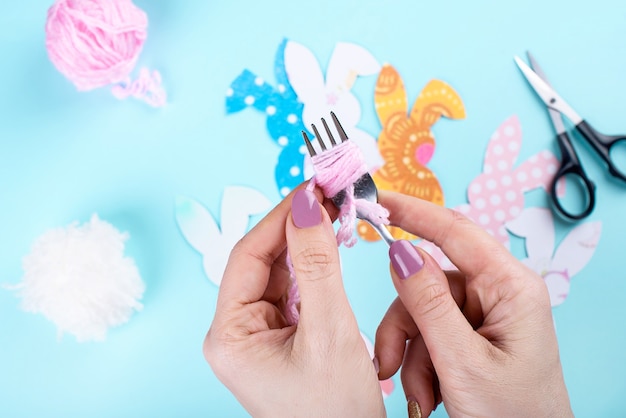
(406, 142)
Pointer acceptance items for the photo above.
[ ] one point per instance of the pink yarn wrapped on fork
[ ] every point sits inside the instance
(337, 169)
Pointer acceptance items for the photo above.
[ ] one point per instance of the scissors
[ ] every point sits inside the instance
(570, 164)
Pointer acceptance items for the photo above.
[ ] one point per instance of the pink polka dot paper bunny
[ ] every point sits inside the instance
(496, 196)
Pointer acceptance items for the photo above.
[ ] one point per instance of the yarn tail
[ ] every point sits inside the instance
(292, 314)
(146, 88)
(347, 219)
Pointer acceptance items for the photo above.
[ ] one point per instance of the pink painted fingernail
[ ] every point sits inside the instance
(305, 211)
(405, 259)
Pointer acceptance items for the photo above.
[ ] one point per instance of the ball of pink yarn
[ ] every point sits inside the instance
(95, 43)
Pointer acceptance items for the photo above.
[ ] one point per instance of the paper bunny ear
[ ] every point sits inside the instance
(536, 226)
(577, 248)
(502, 151)
(504, 146)
(196, 224)
(390, 95)
(238, 204)
(570, 257)
(280, 72)
(437, 99)
(303, 71)
(538, 171)
(203, 233)
(347, 63)
(247, 90)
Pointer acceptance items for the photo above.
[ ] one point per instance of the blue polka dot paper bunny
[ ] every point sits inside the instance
(284, 118)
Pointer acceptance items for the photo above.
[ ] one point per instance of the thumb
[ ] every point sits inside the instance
(424, 290)
(313, 250)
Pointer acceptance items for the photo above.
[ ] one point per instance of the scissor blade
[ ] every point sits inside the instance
(555, 116)
(547, 93)
(557, 121)
(536, 68)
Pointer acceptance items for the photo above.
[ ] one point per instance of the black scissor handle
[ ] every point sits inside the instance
(603, 144)
(570, 166)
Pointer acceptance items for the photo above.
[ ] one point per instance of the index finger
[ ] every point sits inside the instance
(467, 245)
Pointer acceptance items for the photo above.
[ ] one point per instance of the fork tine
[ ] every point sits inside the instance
(329, 133)
(342, 133)
(319, 138)
(309, 146)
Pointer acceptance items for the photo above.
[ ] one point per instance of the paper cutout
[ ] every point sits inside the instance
(406, 141)
(386, 386)
(496, 196)
(215, 241)
(284, 118)
(321, 95)
(558, 267)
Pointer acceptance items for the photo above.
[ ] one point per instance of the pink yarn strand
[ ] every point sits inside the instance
(347, 219)
(147, 88)
(292, 315)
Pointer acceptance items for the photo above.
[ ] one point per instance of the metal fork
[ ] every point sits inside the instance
(364, 187)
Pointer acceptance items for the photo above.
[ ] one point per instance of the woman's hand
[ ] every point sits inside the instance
(319, 367)
(481, 339)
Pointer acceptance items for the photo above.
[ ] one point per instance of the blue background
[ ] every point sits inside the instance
(65, 155)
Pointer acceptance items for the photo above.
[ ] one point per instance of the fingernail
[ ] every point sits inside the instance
(305, 211)
(414, 408)
(405, 259)
(376, 365)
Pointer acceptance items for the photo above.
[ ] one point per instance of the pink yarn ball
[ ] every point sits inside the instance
(95, 43)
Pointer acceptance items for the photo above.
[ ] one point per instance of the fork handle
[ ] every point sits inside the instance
(383, 232)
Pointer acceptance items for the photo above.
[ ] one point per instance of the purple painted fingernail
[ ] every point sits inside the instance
(405, 259)
(305, 210)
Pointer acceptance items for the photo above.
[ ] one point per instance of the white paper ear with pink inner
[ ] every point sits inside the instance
(79, 279)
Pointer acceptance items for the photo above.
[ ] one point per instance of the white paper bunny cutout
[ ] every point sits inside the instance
(321, 95)
(558, 267)
(496, 196)
(215, 241)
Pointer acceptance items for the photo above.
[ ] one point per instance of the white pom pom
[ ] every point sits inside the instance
(79, 279)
